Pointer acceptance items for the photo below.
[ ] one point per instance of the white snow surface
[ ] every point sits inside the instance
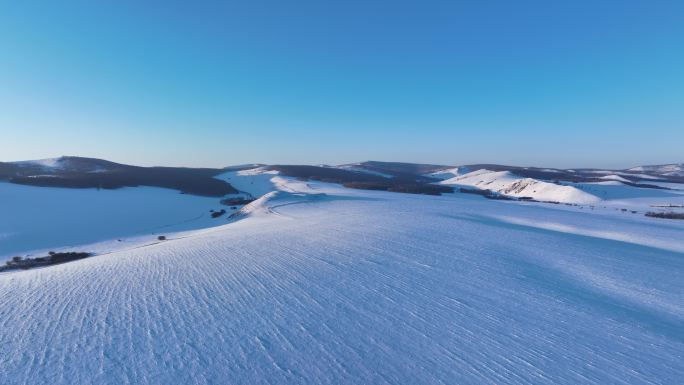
(509, 184)
(320, 284)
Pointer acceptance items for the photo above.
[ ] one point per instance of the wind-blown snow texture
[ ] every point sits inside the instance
(327, 285)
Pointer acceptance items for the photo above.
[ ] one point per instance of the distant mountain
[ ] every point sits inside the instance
(673, 169)
(547, 184)
(79, 172)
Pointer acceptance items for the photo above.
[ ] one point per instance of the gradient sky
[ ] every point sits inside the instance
(213, 83)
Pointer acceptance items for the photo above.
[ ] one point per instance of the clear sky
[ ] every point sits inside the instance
(212, 83)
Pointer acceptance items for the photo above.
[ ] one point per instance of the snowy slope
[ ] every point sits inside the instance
(356, 167)
(508, 184)
(329, 285)
(448, 173)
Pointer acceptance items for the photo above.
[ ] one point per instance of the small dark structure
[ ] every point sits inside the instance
(236, 201)
(665, 215)
(217, 214)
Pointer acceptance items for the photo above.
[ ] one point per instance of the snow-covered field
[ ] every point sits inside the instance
(321, 284)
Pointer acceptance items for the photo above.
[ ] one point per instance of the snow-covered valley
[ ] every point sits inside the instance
(316, 283)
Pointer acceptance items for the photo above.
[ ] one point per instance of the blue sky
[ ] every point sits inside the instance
(214, 83)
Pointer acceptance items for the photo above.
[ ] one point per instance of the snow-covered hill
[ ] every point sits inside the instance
(326, 285)
(80, 172)
(68, 164)
(506, 183)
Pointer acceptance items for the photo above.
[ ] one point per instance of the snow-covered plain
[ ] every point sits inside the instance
(34, 219)
(320, 284)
